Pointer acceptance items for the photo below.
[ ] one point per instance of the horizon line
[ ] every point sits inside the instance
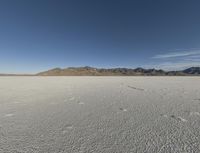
(75, 67)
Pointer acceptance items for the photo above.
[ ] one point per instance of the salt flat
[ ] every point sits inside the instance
(100, 114)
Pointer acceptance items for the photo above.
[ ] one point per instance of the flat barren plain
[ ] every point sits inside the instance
(99, 114)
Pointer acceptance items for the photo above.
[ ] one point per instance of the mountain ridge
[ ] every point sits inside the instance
(91, 71)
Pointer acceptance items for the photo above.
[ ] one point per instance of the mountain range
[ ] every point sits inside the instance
(91, 71)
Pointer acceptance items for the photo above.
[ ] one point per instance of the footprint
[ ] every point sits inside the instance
(68, 126)
(181, 119)
(9, 115)
(123, 109)
(172, 116)
(81, 103)
(136, 88)
(164, 115)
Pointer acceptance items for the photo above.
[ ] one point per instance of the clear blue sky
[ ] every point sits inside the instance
(38, 35)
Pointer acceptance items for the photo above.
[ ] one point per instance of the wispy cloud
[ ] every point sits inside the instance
(170, 66)
(177, 60)
(178, 54)
(173, 66)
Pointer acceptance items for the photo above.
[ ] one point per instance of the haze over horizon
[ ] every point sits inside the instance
(40, 35)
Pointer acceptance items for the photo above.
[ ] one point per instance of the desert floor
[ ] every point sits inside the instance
(99, 114)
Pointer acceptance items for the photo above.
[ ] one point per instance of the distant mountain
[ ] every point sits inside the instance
(192, 70)
(90, 71)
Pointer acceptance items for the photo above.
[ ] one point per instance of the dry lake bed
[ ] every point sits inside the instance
(99, 114)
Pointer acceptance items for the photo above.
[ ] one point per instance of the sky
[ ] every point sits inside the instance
(37, 35)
